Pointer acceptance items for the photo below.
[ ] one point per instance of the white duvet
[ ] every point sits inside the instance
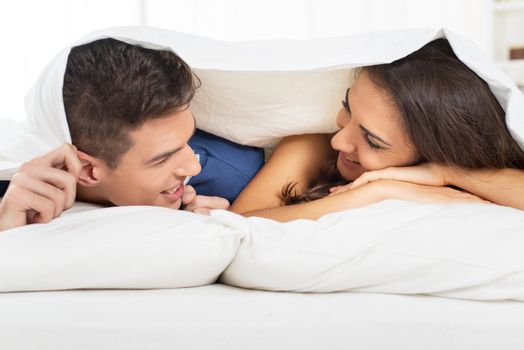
(460, 251)
(254, 93)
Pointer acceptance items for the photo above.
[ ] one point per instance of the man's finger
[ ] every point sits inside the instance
(60, 179)
(206, 202)
(56, 195)
(44, 207)
(189, 195)
(202, 211)
(210, 202)
(66, 155)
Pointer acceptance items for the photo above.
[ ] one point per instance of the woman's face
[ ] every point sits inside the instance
(372, 136)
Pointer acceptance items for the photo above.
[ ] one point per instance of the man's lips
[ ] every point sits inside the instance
(174, 193)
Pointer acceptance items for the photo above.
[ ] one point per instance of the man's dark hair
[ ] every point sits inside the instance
(111, 88)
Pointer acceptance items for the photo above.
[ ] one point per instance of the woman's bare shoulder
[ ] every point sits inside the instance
(296, 159)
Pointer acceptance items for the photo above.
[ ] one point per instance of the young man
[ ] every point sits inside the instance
(128, 113)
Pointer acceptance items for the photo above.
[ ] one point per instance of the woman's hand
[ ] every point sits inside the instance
(429, 174)
(393, 189)
(201, 204)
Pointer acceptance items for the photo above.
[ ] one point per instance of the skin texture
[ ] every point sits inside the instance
(46, 186)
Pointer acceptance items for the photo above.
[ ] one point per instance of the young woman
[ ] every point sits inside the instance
(424, 128)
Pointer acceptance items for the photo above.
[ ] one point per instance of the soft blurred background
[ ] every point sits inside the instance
(32, 31)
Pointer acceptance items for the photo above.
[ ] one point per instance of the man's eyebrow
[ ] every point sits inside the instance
(163, 155)
(369, 133)
(194, 127)
(168, 154)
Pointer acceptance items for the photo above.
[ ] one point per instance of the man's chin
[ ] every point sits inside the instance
(172, 205)
(158, 202)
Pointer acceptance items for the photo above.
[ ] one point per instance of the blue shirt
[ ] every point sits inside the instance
(227, 167)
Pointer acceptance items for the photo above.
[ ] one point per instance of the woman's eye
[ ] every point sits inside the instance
(372, 144)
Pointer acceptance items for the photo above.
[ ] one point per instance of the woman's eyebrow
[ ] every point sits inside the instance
(369, 133)
(345, 101)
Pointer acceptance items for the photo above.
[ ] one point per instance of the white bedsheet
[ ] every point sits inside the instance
(222, 317)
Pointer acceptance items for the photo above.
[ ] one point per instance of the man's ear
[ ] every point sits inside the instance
(93, 170)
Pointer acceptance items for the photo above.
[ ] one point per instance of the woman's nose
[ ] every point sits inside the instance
(342, 119)
(343, 141)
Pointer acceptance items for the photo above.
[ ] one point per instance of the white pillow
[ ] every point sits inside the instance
(119, 247)
(459, 251)
(468, 251)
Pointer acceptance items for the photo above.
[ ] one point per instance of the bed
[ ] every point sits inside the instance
(223, 317)
(390, 275)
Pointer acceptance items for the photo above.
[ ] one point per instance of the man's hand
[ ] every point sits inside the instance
(41, 189)
(202, 204)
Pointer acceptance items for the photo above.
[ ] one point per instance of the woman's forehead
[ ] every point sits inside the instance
(374, 108)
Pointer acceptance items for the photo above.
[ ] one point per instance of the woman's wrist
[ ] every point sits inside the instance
(380, 190)
(449, 175)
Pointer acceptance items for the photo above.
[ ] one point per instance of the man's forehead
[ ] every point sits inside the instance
(163, 133)
(177, 122)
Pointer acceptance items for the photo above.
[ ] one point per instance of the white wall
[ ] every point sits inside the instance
(32, 31)
(303, 19)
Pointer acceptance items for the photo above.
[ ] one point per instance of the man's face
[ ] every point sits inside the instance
(153, 170)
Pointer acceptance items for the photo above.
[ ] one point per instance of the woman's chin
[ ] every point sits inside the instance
(349, 172)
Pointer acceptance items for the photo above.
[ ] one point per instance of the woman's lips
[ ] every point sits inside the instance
(348, 162)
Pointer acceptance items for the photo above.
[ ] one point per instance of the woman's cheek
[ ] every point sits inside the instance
(373, 162)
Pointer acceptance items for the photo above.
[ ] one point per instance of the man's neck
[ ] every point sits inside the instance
(92, 195)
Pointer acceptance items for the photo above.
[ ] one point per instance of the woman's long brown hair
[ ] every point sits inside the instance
(449, 113)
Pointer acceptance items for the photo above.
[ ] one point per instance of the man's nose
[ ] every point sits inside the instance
(190, 166)
(194, 167)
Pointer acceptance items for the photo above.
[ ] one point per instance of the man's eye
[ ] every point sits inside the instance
(161, 162)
